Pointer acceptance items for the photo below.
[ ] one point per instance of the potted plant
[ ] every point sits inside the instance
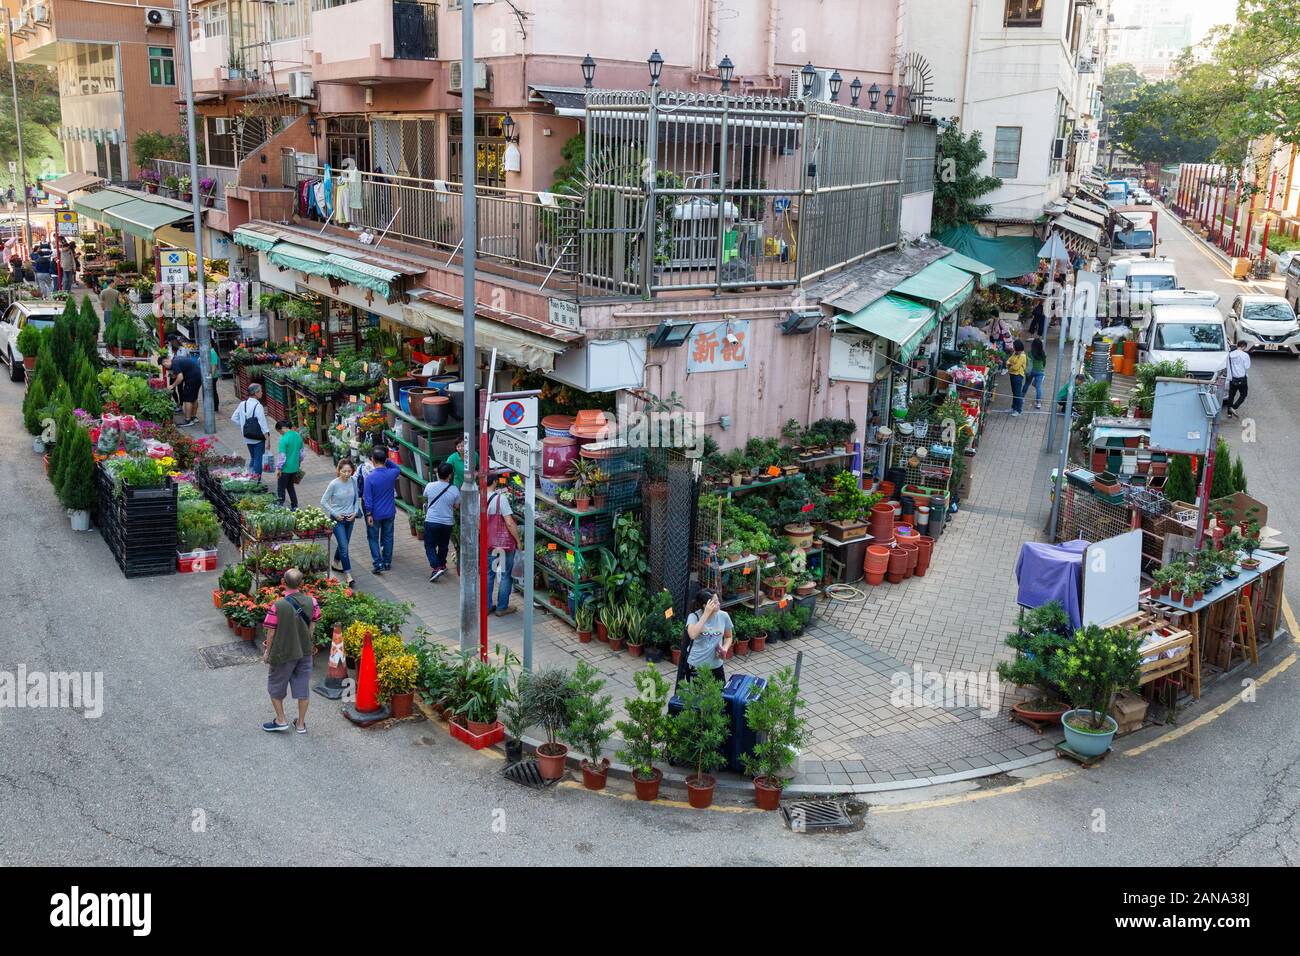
(1038, 642)
(149, 179)
(758, 633)
(397, 674)
(633, 624)
(743, 625)
(612, 616)
(78, 493)
(416, 522)
(848, 507)
(30, 340)
(170, 185)
(1160, 581)
(644, 731)
(486, 687)
(782, 733)
(697, 733)
(546, 696)
(1193, 587)
(207, 190)
(514, 717)
(1099, 662)
(1249, 542)
(587, 727)
(775, 584)
(583, 616)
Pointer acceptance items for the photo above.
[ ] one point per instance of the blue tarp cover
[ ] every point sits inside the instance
(1052, 572)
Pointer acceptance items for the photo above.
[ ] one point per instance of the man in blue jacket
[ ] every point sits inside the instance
(379, 498)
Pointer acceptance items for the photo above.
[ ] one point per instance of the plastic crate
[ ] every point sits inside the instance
(194, 562)
(478, 741)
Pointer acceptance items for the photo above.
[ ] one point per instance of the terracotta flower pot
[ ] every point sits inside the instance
(244, 633)
(759, 641)
(741, 648)
(595, 775)
(602, 634)
(1188, 600)
(616, 643)
(400, 704)
(584, 637)
(924, 548)
(635, 649)
(648, 789)
(766, 796)
(550, 764)
(699, 790)
(677, 655)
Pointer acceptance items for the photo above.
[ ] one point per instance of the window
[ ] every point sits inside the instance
(214, 20)
(162, 66)
(221, 140)
(490, 146)
(1024, 13)
(1006, 152)
(348, 137)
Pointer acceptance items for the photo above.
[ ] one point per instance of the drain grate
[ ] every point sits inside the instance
(231, 654)
(805, 816)
(525, 773)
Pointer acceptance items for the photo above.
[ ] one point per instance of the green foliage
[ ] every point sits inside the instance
(1091, 399)
(1239, 475)
(1043, 634)
(61, 338)
(47, 371)
(342, 608)
(78, 490)
(1221, 481)
(1144, 121)
(782, 733)
(698, 731)
(545, 698)
(197, 528)
(1179, 483)
(1143, 395)
(644, 731)
(488, 686)
(848, 501)
(958, 182)
(1099, 662)
(236, 577)
(34, 403)
(31, 339)
(65, 424)
(587, 725)
(155, 144)
(87, 330)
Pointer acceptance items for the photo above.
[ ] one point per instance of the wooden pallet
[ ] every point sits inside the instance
(1065, 750)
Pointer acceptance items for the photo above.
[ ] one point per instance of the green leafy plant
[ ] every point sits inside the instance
(1099, 662)
(782, 732)
(698, 731)
(1038, 642)
(236, 577)
(1179, 483)
(488, 685)
(197, 528)
(31, 339)
(78, 491)
(644, 731)
(586, 726)
(546, 696)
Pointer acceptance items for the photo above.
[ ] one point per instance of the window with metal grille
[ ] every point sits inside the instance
(1006, 152)
(490, 147)
(405, 147)
(1024, 13)
(221, 145)
(348, 137)
(162, 66)
(918, 158)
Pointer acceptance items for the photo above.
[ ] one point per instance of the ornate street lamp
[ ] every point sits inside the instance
(855, 89)
(836, 81)
(890, 96)
(656, 64)
(807, 76)
(726, 69)
(588, 70)
(873, 96)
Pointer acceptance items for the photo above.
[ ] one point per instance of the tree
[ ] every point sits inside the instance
(698, 731)
(959, 183)
(155, 144)
(1239, 475)
(61, 338)
(65, 425)
(87, 332)
(1179, 483)
(1147, 125)
(38, 98)
(78, 490)
(33, 406)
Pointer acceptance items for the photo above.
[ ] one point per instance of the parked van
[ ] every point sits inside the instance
(1194, 333)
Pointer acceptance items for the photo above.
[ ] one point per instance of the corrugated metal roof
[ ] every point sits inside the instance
(855, 288)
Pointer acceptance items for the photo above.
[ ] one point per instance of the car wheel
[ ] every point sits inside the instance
(15, 369)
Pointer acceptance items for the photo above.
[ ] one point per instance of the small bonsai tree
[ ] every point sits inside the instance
(1100, 662)
(698, 731)
(586, 727)
(546, 696)
(1043, 634)
(87, 330)
(30, 340)
(78, 491)
(774, 717)
(645, 729)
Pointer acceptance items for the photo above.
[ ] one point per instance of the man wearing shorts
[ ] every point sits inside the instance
(288, 651)
(185, 373)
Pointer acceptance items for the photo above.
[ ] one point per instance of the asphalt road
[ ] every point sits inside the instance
(176, 770)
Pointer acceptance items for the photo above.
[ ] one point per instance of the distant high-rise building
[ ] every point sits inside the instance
(1150, 34)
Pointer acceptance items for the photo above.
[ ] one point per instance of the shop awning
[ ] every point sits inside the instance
(1086, 214)
(71, 183)
(941, 284)
(252, 239)
(986, 274)
(292, 256)
(569, 98)
(143, 218)
(521, 341)
(1085, 230)
(901, 321)
(94, 204)
(320, 255)
(1010, 256)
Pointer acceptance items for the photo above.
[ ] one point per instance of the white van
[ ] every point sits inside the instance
(1194, 333)
(1151, 275)
(1137, 240)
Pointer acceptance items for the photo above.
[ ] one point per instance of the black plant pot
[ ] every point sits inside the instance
(514, 751)
(654, 654)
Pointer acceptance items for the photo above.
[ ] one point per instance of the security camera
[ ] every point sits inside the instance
(731, 339)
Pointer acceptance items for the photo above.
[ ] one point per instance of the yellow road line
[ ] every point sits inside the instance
(974, 795)
(661, 802)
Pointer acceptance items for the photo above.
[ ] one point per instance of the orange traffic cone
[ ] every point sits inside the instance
(367, 709)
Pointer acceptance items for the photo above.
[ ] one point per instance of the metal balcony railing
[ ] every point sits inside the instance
(415, 30)
(221, 177)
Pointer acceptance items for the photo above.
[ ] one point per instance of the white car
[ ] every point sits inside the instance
(18, 315)
(1141, 197)
(1264, 323)
(1284, 260)
(1193, 333)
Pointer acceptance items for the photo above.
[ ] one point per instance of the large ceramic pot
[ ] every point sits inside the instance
(1088, 743)
(436, 408)
(558, 455)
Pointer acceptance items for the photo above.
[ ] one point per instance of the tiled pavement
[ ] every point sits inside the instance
(955, 618)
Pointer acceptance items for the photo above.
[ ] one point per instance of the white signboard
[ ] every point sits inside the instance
(853, 358)
(173, 266)
(564, 313)
(511, 414)
(513, 451)
(1112, 578)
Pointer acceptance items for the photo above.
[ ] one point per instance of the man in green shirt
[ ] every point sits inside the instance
(457, 461)
(289, 450)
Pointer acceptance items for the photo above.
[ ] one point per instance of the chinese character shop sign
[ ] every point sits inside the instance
(718, 347)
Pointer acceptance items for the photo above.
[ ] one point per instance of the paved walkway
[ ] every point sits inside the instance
(856, 653)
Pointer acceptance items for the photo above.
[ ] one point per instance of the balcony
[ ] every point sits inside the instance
(33, 32)
(369, 42)
(221, 176)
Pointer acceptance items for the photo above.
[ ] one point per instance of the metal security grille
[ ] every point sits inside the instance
(805, 816)
(919, 141)
(669, 493)
(526, 774)
(415, 30)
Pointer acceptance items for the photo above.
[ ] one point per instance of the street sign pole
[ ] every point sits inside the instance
(471, 530)
(20, 183)
(530, 547)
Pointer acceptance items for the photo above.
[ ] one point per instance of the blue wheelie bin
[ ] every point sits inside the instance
(739, 692)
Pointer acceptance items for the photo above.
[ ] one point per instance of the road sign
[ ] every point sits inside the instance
(511, 412)
(13, 166)
(174, 266)
(512, 450)
(67, 222)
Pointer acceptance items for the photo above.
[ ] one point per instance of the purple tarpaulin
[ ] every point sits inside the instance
(1052, 572)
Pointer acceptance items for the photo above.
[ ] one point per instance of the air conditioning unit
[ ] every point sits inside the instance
(480, 76)
(1058, 148)
(41, 13)
(159, 18)
(300, 85)
(821, 86)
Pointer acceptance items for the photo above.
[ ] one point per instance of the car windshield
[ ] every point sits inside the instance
(1152, 283)
(1137, 239)
(39, 322)
(1268, 312)
(1189, 337)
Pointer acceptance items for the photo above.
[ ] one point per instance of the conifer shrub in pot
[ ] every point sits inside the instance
(645, 730)
(1043, 634)
(782, 733)
(697, 733)
(1099, 662)
(546, 696)
(587, 727)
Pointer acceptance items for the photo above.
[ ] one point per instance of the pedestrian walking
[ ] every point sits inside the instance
(288, 651)
(708, 639)
(457, 461)
(379, 498)
(442, 500)
(503, 544)
(16, 268)
(11, 198)
(109, 297)
(342, 502)
(67, 264)
(43, 269)
(215, 361)
(1037, 369)
(1017, 366)
(1238, 386)
(250, 417)
(187, 377)
(289, 462)
(1038, 321)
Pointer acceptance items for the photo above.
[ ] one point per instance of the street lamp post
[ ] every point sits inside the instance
(20, 188)
(472, 558)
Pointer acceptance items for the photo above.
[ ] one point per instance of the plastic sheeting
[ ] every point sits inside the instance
(1052, 572)
(1010, 256)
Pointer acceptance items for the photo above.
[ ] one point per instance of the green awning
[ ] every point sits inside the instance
(1011, 256)
(375, 278)
(252, 239)
(293, 256)
(143, 218)
(94, 204)
(986, 274)
(902, 321)
(943, 285)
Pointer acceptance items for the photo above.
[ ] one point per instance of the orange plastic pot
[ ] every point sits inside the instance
(877, 557)
(909, 549)
(924, 548)
(897, 565)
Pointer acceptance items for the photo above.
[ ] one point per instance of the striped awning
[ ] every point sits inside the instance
(318, 255)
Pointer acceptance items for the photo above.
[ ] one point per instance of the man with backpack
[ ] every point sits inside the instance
(250, 417)
(288, 651)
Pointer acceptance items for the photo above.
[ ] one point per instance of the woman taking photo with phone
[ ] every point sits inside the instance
(709, 631)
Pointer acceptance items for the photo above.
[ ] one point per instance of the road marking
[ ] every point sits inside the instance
(661, 802)
(1208, 716)
(975, 795)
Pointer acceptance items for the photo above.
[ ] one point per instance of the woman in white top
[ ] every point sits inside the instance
(710, 631)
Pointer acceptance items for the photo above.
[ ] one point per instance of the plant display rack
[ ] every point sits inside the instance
(139, 526)
(761, 484)
(562, 562)
(427, 458)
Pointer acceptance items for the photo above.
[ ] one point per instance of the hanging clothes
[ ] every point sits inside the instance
(328, 206)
